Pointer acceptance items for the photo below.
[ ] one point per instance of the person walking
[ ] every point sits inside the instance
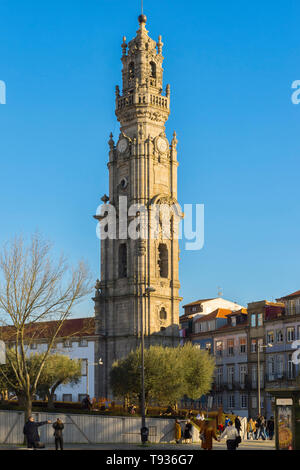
(251, 429)
(187, 434)
(237, 424)
(260, 428)
(30, 431)
(231, 433)
(207, 436)
(58, 427)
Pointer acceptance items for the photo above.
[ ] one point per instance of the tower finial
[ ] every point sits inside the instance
(142, 18)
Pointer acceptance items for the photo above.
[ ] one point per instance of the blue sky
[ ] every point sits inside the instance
(230, 66)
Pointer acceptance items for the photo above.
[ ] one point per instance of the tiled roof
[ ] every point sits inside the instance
(75, 327)
(198, 302)
(294, 294)
(219, 313)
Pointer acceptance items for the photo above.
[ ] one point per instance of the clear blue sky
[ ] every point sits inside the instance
(230, 65)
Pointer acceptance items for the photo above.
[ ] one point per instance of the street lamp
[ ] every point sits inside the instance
(269, 345)
(144, 431)
(99, 363)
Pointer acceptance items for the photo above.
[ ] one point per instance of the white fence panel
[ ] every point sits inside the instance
(88, 429)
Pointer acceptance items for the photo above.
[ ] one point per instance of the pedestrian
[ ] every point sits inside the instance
(30, 431)
(226, 421)
(86, 403)
(251, 429)
(270, 428)
(260, 428)
(178, 432)
(58, 427)
(187, 434)
(237, 424)
(231, 433)
(207, 436)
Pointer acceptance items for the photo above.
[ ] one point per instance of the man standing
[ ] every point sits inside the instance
(30, 431)
(58, 427)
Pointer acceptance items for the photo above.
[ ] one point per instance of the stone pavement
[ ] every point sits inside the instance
(245, 445)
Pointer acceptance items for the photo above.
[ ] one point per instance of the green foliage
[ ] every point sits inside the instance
(170, 373)
(198, 370)
(58, 369)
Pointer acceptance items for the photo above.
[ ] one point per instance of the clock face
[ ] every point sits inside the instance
(122, 145)
(124, 182)
(162, 145)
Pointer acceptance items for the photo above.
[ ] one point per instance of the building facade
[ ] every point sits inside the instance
(230, 350)
(142, 178)
(255, 350)
(77, 340)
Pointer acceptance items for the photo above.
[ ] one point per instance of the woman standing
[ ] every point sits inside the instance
(207, 436)
(177, 431)
(58, 427)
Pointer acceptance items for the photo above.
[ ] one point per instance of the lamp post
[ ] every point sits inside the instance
(147, 292)
(99, 363)
(269, 345)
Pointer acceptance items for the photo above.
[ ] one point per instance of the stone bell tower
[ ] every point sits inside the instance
(142, 170)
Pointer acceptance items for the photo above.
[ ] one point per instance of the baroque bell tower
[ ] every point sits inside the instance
(142, 172)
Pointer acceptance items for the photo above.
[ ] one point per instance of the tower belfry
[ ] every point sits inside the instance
(142, 170)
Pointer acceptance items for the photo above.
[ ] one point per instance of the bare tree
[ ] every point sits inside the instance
(34, 287)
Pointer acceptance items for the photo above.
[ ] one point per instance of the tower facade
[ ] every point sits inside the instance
(142, 178)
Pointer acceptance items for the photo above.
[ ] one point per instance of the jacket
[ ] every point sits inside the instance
(31, 430)
(208, 434)
(231, 433)
(177, 431)
(58, 428)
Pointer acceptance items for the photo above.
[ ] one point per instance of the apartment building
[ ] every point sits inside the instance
(252, 345)
(230, 349)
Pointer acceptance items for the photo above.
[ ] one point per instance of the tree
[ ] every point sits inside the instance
(198, 369)
(170, 373)
(34, 287)
(58, 370)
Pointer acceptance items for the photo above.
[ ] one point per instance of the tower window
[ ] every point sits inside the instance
(152, 70)
(131, 70)
(163, 313)
(123, 260)
(163, 260)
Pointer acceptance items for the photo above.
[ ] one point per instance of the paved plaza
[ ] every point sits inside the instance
(245, 445)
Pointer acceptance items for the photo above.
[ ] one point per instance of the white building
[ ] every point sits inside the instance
(76, 340)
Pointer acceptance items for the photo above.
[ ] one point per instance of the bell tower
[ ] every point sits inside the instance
(142, 174)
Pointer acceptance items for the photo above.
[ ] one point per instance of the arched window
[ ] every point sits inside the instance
(163, 260)
(123, 260)
(163, 314)
(152, 70)
(131, 70)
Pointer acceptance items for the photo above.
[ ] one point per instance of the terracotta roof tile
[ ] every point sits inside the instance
(75, 327)
(294, 294)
